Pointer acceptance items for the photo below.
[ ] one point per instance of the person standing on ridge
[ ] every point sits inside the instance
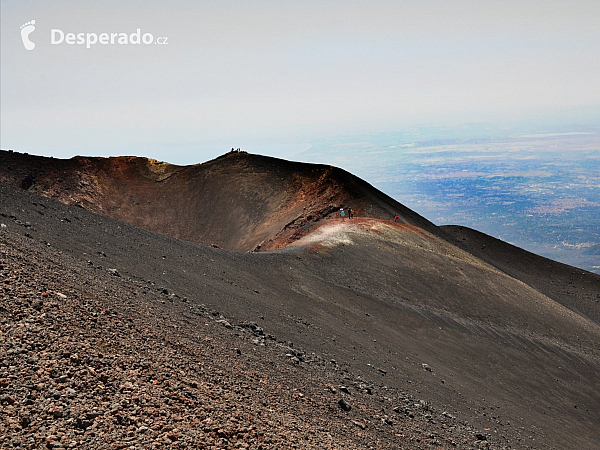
(396, 217)
(342, 213)
(350, 213)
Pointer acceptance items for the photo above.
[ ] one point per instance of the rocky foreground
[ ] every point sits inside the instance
(93, 359)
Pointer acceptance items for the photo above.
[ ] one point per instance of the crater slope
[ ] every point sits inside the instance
(238, 201)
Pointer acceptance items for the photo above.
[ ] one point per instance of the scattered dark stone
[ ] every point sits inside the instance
(25, 421)
(27, 182)
(345, 406)
(83, 423)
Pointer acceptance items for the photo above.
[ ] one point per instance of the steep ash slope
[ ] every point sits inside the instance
(238, 201)
(400, 311)
(574, 288)
(98, 358)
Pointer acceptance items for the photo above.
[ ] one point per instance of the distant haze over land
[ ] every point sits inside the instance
(539, 190)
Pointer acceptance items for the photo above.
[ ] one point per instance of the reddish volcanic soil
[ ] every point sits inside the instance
(434, 338)
(238, 201)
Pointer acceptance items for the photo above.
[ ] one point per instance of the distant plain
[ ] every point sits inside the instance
(539, 190)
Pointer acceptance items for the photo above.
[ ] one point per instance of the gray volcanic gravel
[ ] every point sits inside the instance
(92, 358)
(367, 334)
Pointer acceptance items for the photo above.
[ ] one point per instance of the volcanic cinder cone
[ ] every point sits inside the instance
(467, 338)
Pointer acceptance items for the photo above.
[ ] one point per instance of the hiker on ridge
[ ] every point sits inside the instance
(396, 217)
(342, 213)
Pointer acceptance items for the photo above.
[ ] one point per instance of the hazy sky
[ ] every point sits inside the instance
(271, 76)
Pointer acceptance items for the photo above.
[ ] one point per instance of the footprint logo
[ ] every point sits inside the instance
(26, 30)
